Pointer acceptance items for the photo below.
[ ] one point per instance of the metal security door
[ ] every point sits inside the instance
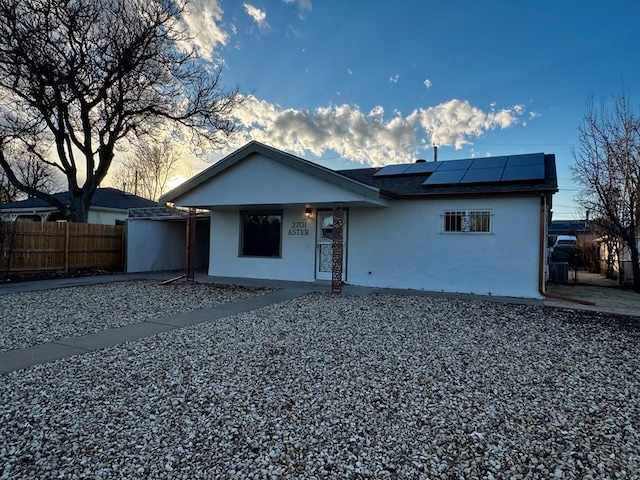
(324, 244)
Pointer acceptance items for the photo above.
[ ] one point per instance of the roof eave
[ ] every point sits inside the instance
(110, 209)
(24, 210)
(485, 193)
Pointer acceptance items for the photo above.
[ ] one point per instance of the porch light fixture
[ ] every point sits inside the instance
(307, 213)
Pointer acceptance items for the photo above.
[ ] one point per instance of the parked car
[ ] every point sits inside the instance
(566, 241)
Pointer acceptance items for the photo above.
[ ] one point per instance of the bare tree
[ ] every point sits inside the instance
(148, 169)
(81, 76)
(31, 172)
(607, 166)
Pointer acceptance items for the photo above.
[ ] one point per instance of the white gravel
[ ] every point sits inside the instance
(339, 387)
(31, 318)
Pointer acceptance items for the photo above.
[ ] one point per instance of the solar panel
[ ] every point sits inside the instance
(444, 177)
(523, 173)
(392, 170)
(422, 167)
(489, 162)
(482, 175)
(455, 165)
(526, 160)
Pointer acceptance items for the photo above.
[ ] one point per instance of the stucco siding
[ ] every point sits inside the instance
(404, 246)
(105, 218)
(259, 180)
(298, 251)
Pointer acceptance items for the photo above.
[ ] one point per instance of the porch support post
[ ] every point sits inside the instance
(191, 246)
(337, 249)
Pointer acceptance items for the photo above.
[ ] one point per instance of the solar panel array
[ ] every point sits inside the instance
(514, 168)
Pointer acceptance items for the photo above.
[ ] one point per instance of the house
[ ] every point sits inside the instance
(109, 206)
(577, 228)
(473, 226)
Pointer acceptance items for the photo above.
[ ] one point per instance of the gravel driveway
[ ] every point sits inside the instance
(31, 318)
(339, 387)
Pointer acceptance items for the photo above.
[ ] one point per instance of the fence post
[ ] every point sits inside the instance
(66, 247)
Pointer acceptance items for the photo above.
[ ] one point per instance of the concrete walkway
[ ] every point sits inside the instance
(46, 352)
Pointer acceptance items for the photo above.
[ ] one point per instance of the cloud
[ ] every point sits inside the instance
(368, 138)
(394, 78)
(455, 121)
(427, 83)
(259, 16)
(376, 111)
(202, 21)
(304, 6)
(349, 71)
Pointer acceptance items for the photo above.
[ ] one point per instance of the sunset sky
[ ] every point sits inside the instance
(355, 83)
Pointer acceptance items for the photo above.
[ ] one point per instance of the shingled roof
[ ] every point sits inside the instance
(103, 198)
(410, 186)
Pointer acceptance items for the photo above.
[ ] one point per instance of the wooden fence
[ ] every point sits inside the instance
(38, 247)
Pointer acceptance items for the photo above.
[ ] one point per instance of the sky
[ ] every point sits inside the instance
(351, 84)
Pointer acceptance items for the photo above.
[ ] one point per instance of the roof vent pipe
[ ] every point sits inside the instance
(435, 153)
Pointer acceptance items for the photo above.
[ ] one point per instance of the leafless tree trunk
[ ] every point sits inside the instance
(612, 256)
(78, 78)
(607, 166)
(6, 246)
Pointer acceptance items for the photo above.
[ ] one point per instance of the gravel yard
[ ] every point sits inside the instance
(31, 318)
(339, 387)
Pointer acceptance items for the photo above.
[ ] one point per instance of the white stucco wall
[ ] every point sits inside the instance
(154, 245)
(103, 217)
(298, 251)
(404, 246)
(259, 180)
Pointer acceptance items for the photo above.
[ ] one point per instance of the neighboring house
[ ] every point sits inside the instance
(473, 226)
(108, 206)
(577, 228)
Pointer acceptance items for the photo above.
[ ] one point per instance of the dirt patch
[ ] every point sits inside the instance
(53, 274)
(608, 295)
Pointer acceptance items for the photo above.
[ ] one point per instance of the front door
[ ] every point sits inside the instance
(324, 244)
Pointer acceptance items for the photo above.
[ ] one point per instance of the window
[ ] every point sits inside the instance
(467, 221)
(261, 234)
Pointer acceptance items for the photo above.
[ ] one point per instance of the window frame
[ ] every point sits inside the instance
(263, 213)
(456, 218)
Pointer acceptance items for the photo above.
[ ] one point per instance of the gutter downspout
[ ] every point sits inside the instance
(542, 246)
(543, 211)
